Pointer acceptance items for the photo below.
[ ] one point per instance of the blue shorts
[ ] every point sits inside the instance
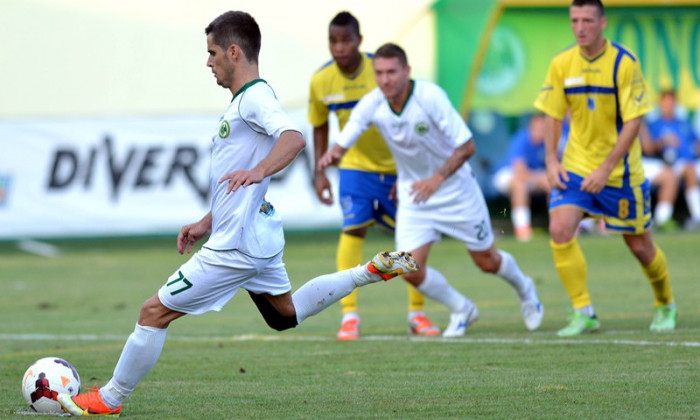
(364, 199)
(625, 210)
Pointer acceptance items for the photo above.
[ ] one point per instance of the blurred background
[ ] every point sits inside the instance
(107, 108)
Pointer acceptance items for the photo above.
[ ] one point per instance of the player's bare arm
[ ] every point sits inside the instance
(321, 182)
(596, 180)
(555, 172)
(190, 234)
(282, 154)
(331, 157)
(423, 189)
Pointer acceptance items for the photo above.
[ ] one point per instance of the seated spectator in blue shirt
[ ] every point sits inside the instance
(522, 173)
(673, 142)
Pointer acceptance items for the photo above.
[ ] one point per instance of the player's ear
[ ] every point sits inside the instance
(604, 22)
(234, 51)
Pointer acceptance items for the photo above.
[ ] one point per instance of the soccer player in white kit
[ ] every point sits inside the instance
(437, 192)
(255, 139)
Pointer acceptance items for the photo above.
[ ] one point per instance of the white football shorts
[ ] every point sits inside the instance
(470, 224)
(208, 280)
(653, 167)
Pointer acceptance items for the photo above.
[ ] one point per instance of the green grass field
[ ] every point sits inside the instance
(82, 305)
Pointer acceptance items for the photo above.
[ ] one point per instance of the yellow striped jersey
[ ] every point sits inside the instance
(334, 91)
(602, 93)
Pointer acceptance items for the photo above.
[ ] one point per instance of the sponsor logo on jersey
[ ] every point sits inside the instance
(570, 81)
(336, 97)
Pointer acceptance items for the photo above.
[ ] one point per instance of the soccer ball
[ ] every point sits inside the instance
(45, 379)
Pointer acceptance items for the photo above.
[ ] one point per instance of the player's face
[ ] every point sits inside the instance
(667, 105)
(587, 24)
(220, 63)
(344, 44)
(391, 76)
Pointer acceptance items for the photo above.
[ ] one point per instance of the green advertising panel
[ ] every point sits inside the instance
(666, 40)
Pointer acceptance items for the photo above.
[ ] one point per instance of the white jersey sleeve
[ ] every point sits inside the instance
(445, 116)
(360, 119)
(265, 115)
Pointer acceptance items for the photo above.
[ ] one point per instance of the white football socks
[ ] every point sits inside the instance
(664, 211)
(692, 198)
(520, 216)
(139, 355)
(321, 292)
(436, 287)
(510, 272)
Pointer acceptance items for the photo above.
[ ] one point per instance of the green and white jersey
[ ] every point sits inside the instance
(421, 137)
(243, 220)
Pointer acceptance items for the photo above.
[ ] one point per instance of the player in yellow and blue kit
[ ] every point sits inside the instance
(367, 172)
(601, 173)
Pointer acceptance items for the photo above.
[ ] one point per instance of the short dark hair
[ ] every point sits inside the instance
(596, 3)
(390, 50)
(667, 92)
(346, 19)
(236, 27)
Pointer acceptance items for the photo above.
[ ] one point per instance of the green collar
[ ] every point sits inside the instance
(410, 92)
(246, 86)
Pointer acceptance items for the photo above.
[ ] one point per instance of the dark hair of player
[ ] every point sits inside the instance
(596, 3)
(236, 27)
(390, 50)
(346, 19)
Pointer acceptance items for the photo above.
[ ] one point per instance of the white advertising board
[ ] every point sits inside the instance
(124, 176)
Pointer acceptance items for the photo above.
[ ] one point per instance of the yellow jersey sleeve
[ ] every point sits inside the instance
(551, 99)
(318, 111)
(632, 93)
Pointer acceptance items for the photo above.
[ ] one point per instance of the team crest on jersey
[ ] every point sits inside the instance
(591, 104)
(421, 128)
(224, 130)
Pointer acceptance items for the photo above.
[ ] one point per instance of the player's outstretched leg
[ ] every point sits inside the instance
(319, 293)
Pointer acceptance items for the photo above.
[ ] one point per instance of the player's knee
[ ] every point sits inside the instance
(281, 322)
(560, 233)
(155, 314)
(415, 278)
(488, 263)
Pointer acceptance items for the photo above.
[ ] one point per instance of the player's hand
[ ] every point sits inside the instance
(555, 175)
(670, 140)
(423, 189)
(331, 157)
(323, 188)
(392, 194)
(238, 179)
(595, 181)
(190, 234)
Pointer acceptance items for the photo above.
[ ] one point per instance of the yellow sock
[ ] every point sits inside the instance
(571, 266)
(657, 273)
(349, 255)
(415, 298)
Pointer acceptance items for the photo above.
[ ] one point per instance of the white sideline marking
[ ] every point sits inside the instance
(34, 413)
(38, 248)
(263, 337)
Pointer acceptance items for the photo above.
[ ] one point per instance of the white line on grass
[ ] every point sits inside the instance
(281, 337)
